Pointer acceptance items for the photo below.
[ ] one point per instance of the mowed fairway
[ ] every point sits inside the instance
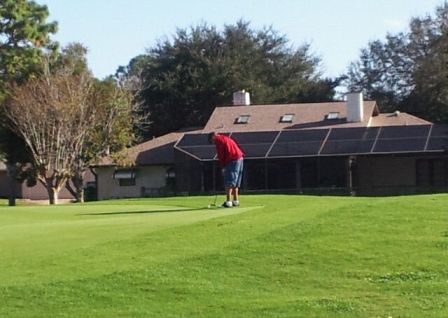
(275, 256)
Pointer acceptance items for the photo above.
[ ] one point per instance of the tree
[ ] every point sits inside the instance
(68, 119)
(184, 79)
(113, 117)
(408, 71)
(24, 36)
(52, 115)
(110, 131)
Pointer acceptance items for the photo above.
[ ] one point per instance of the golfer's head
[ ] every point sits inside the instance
(211, 137)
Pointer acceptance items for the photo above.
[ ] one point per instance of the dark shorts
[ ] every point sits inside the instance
(233, 173)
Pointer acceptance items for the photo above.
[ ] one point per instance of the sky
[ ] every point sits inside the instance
(115, 31)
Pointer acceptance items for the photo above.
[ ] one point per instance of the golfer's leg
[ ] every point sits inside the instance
(235, 193)
(237, 180)
(229, 193)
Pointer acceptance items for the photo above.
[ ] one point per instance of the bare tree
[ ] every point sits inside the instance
(53, 115)
(111, 129)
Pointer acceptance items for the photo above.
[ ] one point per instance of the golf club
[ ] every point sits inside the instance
(214, 202)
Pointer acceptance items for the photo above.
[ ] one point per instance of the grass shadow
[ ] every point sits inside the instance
(144, 212)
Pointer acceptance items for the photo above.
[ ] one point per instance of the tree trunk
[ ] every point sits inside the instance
(78, 182)
(11, 173)
(52, 195)
(77, 191)
(69, 187)
(80, 194)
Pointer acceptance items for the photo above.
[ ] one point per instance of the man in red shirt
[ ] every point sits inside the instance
(230, 158)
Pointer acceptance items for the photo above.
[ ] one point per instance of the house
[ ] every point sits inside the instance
(148, 170)
(37, 192)
(336, 147)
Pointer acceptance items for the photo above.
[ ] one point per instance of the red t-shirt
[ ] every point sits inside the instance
(227, 150)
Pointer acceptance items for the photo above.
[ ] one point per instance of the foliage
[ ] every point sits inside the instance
(24, 36)
(275, 256)
(68, 119)
(408, 71)
(52, 115)
(12, 148)
(111, 126)
(184, 79)
(73, 59)
(113, 130)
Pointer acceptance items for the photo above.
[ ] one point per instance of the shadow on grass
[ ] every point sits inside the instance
(145, 212)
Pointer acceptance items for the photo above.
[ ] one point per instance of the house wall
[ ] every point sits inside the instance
(386, 175)
(148, 181)
(39, 192)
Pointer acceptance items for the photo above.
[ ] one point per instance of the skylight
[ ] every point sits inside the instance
(242, 119)
(287, 118)
(333, 115)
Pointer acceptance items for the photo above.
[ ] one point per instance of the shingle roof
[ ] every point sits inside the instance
(267, 117)
(397, 119)
(156, 151)
(306, 116)
(159, 151)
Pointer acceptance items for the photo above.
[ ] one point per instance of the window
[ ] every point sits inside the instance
(170, 173)
(242, 119)
(333, 115)
(127, 182)
(170, 178)
(126, 178)
(287, 118)
(124, 174)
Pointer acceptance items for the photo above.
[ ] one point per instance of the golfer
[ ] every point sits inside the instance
(230, 158)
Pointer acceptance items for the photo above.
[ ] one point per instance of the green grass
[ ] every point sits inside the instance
(276, 256)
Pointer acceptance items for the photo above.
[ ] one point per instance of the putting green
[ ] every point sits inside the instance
(38, 240)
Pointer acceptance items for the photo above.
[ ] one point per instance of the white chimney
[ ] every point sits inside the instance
(355, 107)
(241, 98)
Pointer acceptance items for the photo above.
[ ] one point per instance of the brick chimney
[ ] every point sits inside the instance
(241, 98)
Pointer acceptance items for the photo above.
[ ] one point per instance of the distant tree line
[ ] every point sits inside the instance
(184, 78)
(200, 68)
(408, 71)
(56, 119)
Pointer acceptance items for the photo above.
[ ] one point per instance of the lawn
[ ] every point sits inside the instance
(275, 256)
